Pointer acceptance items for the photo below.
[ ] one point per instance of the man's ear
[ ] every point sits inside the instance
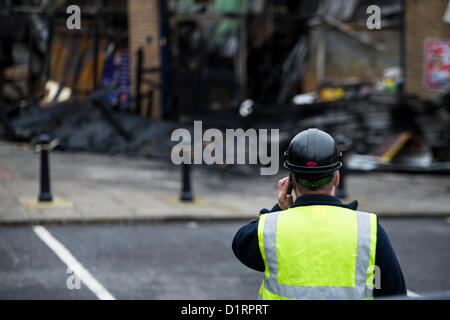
(294, 187)
(338, 176)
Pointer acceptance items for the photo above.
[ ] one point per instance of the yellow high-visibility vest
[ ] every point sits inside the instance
(317, 252)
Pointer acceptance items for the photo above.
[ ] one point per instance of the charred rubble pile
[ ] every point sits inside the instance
(376, 132)
(92, 126)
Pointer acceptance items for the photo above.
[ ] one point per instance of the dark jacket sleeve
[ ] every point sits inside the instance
(245, 243)
(391, 276)
(246, 247)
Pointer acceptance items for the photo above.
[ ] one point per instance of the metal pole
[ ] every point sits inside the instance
(241, 63)
(321, 53)
(98, 18)
(96, 49)
(186, 193)
(45, 194)
(164, 51)
(48, 56)
(403, 48)
(341, 189)
(140, 58)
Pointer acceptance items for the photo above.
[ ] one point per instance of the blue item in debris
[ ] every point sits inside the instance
(116, 72)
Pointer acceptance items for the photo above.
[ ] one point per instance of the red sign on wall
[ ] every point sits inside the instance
(437, 63)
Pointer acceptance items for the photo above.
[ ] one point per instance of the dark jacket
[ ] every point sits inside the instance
(246, 248)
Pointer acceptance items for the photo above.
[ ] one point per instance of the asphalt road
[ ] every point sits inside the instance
(183, 260)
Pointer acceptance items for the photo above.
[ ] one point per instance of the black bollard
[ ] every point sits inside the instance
(341, 190)
(343, 145)
(186, 193)
(45, 194)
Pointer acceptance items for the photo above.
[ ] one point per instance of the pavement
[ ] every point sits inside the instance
(106, 188)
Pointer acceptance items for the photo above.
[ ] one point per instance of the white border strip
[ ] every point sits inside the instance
(82, 273)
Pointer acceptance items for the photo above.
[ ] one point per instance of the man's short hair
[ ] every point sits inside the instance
(323, 183)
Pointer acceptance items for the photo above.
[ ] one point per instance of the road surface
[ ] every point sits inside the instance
(177, 260)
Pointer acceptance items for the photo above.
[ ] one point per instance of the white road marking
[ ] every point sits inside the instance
(82, 273)
(410, 293)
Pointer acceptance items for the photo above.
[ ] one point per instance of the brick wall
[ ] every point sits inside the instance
(143, 31)
(423, 19)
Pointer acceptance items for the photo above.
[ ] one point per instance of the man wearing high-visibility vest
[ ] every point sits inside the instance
(317, 247)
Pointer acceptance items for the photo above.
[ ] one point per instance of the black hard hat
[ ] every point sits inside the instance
(312, 155)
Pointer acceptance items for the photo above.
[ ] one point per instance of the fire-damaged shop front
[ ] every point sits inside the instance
(136, 70)
(269, 51)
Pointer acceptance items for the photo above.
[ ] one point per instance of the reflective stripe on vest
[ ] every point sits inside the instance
(360, 290)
